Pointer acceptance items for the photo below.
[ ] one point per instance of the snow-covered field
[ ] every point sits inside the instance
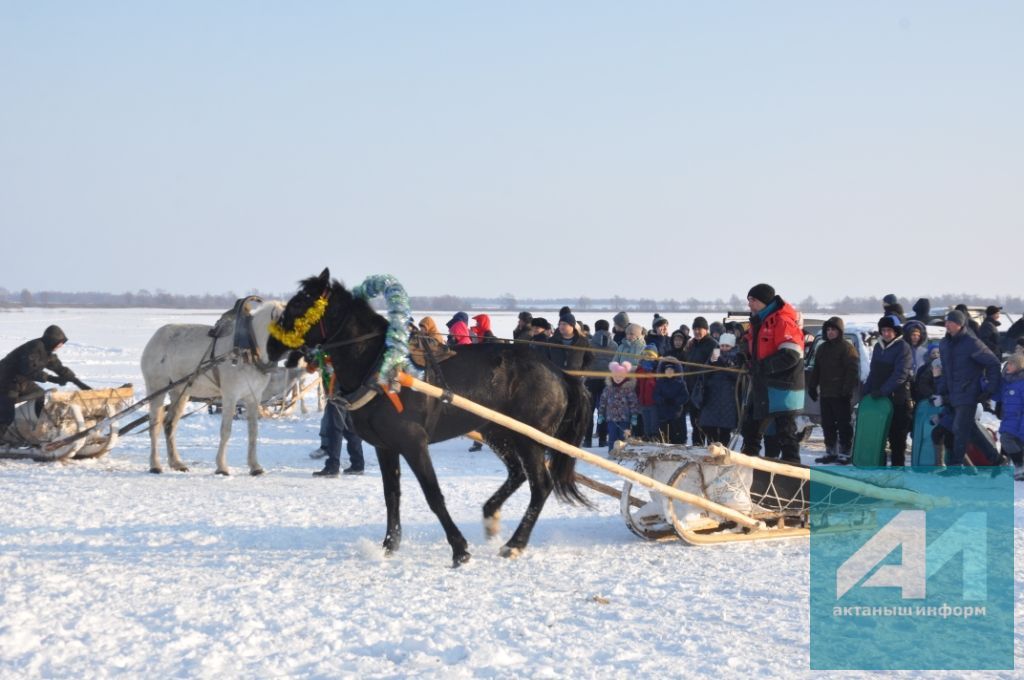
(107, 570)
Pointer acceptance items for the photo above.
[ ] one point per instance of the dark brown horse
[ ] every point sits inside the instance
(512, 379)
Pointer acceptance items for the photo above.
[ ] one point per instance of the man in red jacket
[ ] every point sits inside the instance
(775, 343)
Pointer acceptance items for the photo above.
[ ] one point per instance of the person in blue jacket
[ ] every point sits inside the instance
(965, 361)
(890, 377)
(1011, 403)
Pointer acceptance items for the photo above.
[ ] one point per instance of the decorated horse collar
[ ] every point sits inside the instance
(296, 337)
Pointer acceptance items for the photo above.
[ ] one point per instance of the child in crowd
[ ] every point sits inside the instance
(619, 407)
(645, 393)
(1011, 401)
(670, 397)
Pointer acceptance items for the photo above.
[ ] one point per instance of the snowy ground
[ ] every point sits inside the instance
(106, 570)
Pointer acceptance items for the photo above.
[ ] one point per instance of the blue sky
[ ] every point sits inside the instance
(661, 149)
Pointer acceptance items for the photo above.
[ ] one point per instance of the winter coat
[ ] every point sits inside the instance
(919, 352)
(677, 352)
(924, 386)
(775, 344)
(890, 372)
(569, 354)
(1011, 397)
(895, 310)
(699, 353)
(629, 351)
(618, 402)
(836, 371)
(719, 407)
(482, 330)
(602, 340)
(965, 359)
(988, 333)
(458, 334)
(922, 310)
(24, 364)
(645, 386)
(670, 396)
(662, 343)
(429, 328)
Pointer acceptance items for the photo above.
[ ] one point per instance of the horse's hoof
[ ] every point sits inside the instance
(510, 553)
(222, 472)
(155, 470)
(492, 525)
(256, 473)
(460, 558)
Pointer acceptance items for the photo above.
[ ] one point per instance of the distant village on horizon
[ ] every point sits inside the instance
(13, 300)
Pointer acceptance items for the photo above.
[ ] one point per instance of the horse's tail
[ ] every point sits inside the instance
(571, 431)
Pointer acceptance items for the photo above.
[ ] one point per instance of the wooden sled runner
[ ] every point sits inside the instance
(60, 415)
(704, 495)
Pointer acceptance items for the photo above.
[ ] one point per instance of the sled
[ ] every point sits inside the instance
(45, 429)
(981, 447)
(923, 453)
(874, 415)
(705, 495)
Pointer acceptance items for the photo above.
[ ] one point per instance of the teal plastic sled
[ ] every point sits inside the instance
(873, 419)
(923, 452)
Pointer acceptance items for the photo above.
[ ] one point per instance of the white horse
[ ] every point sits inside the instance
(176, 351)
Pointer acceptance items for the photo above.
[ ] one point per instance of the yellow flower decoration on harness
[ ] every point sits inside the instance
(296, 337)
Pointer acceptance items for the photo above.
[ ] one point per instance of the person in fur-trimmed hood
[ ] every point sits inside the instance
(775, 345)
(832, 381)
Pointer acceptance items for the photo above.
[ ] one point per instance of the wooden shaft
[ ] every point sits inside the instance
(582, 479)
(845, 483)
(727, 513)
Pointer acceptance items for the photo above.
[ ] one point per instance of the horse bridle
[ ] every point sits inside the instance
(368, 387)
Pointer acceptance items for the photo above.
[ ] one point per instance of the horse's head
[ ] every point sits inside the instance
(298, 324)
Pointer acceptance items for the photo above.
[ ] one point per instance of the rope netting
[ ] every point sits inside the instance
(771, 496)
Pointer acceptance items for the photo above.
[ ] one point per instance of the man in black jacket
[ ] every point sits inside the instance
(988, 332)
(24, 366)
(698, 351)
(835, 376)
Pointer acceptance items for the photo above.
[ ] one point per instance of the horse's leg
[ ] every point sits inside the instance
(504, 447)
(156, 427)
(390, 472)
(532, 456)
(252, 417)
(418, 458)
(178, 403)
(229, 403)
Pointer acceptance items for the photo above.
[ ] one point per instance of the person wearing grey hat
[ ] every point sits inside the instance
(775, 345)
(988, 332)
(967, 364)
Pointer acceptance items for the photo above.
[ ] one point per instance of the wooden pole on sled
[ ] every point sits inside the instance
(582, 479)
(903, 496)
(727, 513)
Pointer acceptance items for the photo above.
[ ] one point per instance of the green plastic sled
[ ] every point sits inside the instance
(873, 418)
